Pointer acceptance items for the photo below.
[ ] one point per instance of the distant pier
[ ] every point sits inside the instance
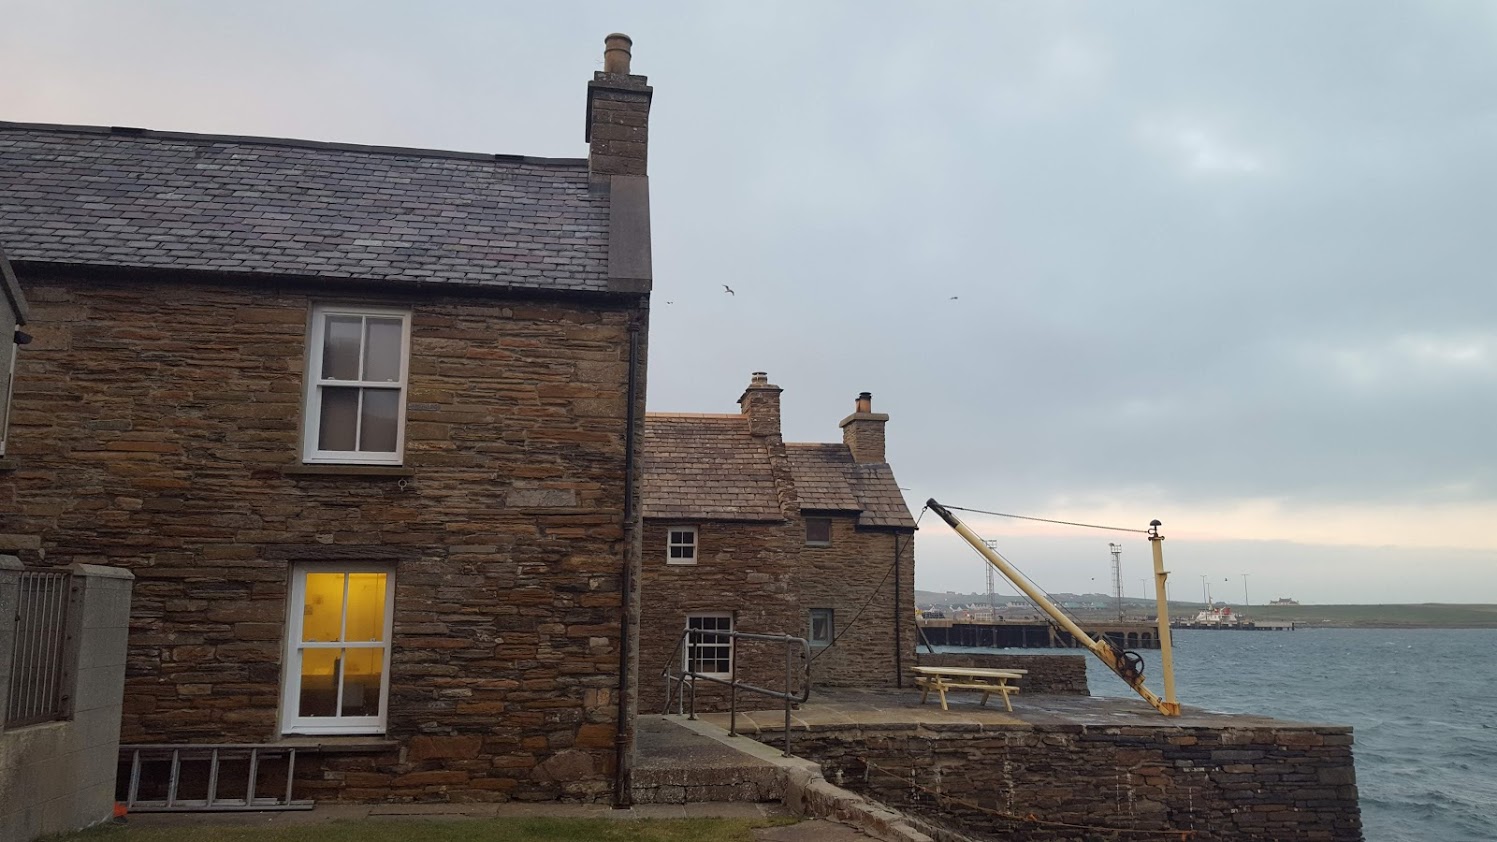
(1031, 634)
(1037, 634)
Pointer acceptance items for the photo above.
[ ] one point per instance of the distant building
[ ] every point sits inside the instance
(1284, 600)
(745, 531)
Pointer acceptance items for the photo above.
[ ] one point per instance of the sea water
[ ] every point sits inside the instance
(1422, 703)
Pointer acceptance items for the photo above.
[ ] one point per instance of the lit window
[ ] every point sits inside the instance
(356, 380)
(708, 653)
(822, 632)
(681, 545)
(338, 650)
(818, 531)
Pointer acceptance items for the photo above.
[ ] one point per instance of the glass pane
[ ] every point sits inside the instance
(338, 426)
(381, 408)
(322, 615)
(821, 631)
(319, 682)
(340, 347)
(363, 674)
(382, 350)
(366, 608)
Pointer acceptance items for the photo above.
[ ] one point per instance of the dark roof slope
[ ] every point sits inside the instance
(127, 198)
(706, 467)
(827, 478)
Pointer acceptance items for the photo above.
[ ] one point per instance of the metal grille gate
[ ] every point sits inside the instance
(39, 657)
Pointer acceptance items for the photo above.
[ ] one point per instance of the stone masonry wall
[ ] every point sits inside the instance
(854, 577)
(746, 569)
(1072, 782)
(157, 428)
(1047, 674)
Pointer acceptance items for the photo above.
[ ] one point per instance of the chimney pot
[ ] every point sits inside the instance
(759, 378)
(616, 54)
(865, 402)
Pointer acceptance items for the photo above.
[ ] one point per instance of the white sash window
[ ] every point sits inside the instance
(338, 649)
(357, 367)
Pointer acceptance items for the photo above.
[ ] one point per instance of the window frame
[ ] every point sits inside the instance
(818, 519)
(831, 627)
(312, 397)
(671, 544)
(689, 650)
(291, 723)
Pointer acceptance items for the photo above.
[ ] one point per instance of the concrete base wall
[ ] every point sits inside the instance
(1075, 782)
(59, 776)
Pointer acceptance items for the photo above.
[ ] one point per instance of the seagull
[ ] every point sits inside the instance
(729, 290)
(670, 302)
(953, 298)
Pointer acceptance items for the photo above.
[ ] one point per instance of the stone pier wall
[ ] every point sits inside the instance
(1075, 782)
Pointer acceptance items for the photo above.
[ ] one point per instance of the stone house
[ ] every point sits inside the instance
(13, 312)
(744, 531)
(364, 423)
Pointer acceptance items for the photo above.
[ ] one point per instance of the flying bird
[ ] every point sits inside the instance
(953, 298)
(729, 290)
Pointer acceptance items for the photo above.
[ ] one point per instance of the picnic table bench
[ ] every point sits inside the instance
(988, 681)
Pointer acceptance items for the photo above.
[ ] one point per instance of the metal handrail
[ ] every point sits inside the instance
(689, 676)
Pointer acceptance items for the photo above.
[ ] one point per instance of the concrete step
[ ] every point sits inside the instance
(673, 765)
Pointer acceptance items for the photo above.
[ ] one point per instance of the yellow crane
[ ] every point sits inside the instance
(1128, 666)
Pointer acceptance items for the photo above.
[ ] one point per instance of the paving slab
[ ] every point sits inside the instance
(852, 708)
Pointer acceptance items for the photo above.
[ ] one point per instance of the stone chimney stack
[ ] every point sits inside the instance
(863, 431)
(761, 403)
(618, 113)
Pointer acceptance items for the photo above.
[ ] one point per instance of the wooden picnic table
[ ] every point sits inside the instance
(987, 681)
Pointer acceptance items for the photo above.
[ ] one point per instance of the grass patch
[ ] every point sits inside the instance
(452, 830)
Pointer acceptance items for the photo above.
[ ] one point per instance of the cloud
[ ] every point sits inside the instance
(1199, 149)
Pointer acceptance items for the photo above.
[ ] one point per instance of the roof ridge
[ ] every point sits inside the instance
(130, 132)
(698, 415)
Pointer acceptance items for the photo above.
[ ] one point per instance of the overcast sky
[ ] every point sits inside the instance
(1227, 265)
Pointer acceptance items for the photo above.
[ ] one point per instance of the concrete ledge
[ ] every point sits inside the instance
(809, 794)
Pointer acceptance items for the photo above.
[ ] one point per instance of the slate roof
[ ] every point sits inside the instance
(827, 478)
(706, 467)
(128, 198)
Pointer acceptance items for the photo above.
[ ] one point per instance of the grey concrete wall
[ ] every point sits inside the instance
(59, 776)
(1048, 674)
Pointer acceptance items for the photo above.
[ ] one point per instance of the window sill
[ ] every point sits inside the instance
(392, 471)
(370, 744)
(680, 563)
(818, 544)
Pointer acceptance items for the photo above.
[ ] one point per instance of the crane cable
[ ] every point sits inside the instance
(1050, 520)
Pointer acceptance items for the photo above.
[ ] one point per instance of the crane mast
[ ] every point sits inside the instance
(1127, 665)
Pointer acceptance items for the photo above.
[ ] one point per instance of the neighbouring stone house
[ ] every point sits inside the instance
(744, 531)
(363, 422)
(12, 316)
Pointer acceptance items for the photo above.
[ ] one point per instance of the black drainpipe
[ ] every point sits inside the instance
(623, 782)
(898, 622)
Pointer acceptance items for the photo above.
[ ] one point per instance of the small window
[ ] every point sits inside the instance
(822, 632)
(681, 545)
(818, 531)
(707, 653)
(356, 385)
(338, 650)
